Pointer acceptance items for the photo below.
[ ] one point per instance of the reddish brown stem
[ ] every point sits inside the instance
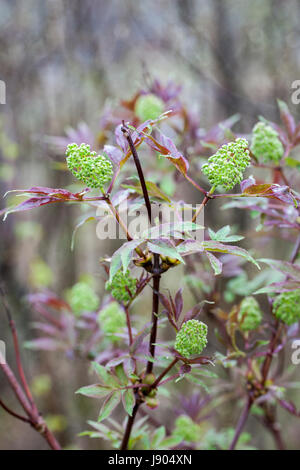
(155, 304)
(129, 426)
(13, 413)
(164, 372)
(137, 162)
(241, 423)
(35, 419)
(12, 326)
(128, 321)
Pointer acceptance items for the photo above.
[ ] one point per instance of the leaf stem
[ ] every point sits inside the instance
(164, 372)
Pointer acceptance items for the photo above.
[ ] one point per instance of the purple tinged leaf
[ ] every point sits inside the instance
(246, 183)
(114, 154)
(46, 344)
(290, 407)
(121, 139)
(178, 303)
(284, 267)
(287, 118)
(185, 369)
(215, 263)
(278, 287)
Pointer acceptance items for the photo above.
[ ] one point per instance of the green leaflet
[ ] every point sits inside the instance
(109, 405)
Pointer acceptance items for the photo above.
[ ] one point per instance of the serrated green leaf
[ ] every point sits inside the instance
(109, 405)
(107, 378)
(94, 391)
(222, 235)
(120, 373)
(218, 247)
(164, 247)
(215, 263)
(197, 381)
(122, 257)
(158, 436)
(169, 442)
(128, 400)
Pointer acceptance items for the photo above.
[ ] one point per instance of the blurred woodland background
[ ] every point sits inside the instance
(64, 62)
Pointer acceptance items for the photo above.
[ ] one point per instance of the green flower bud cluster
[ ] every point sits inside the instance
(286, 307)
(121, 285)
(191, 338)
(186, 429)
(92, 169)
(82, 298)
(112, 318)
(225, 168)
(266, 145)
(148, 107)
(249, 316)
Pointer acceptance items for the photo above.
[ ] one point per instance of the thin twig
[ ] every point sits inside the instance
(13, 413)
(164, 372)
(12, 326)
(127, 134)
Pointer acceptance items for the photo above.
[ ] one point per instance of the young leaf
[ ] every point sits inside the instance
(128, 400)
(106, 376)
(94, 391)
(218, 247)
(215, 263)
(223, 235)
(109, 405)
(158, 436)
(120, 373)
(122, 257)
(164, 246)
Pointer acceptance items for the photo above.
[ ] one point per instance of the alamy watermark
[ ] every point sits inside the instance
(295, 98)
(296, 354)
(2, 92)
(2, 352)
(176, 220)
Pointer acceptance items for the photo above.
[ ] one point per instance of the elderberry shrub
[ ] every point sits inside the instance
(223, 345)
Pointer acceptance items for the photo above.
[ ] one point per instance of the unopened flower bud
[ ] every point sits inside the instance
(226, 167)
(191, 339)
(92, 169)
(266, 145)
(249, 316)
(148, 107)
(286, 307)
(121, 286)
(82, 297)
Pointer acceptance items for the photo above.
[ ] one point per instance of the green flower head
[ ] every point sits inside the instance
(92, 169)
(148, 107)
(191, 339)
(112, 318)
(286, 307)
(121, 286)
(249, 316)
(226, 167)
(266, 145)
(82, 298)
